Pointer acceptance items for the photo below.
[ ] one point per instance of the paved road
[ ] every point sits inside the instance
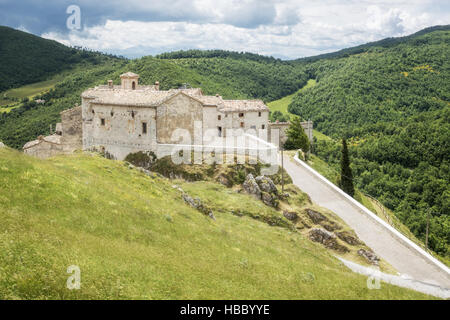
(405, 260)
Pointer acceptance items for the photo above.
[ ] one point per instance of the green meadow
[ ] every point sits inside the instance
(133, 237)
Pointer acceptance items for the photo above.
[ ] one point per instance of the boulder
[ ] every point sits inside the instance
(315, 216)
(198, 204)
(330, 225)
(262, 188)
(318, 218)
(266, 184)
(349, 238)
(328, 239)
(251, 186)
(269, 199)
(292, 216)
(2, 145)
(371, 257)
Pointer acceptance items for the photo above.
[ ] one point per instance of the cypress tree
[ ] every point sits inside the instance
(346, 182)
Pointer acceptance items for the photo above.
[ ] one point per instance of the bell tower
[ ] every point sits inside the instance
(129, 81)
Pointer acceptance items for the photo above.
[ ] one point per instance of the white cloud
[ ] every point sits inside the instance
(288, 29)
(22, 28)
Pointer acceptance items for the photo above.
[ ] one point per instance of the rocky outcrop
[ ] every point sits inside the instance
(222, 179)
(262, 188)
(315, 216)
(371, 257)
(198, 204)
(292, 216)
(266, 184)
(326, 238)
(251, 186)
(349, 238)
(318, 218)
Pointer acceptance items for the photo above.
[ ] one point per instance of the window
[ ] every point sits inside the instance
(219, 117)
(241, 114)
(242, 124)
(259, 114)
(133, 85)
(102, 121)
(263, 127)
(219, 131)
(144, 127)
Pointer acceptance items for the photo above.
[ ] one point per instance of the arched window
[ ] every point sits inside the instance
(133, 85)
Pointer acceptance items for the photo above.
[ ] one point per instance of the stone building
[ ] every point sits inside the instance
(130, 117)
(126, 118)
(66, 139)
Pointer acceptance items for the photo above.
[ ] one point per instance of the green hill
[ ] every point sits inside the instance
(133, 237)
(390, 98)
(393, 103)
(26, 58)
(412, 39)
(233, 75)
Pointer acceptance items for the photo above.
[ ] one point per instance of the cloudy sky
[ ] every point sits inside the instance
(281, 28)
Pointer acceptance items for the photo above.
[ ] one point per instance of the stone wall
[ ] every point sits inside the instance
(119, 130)
(44, 147)
(282, 129)
(179, 112)
(251, 119)
(71, 130)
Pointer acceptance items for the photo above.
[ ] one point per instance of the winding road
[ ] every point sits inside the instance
(406, 260)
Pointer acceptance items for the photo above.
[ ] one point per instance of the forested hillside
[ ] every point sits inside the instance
(26, 58)
(393, 103)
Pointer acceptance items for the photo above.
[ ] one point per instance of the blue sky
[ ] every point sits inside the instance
(281, 28)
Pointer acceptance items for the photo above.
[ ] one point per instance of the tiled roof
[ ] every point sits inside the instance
(243, 105)
(143, 98)
(148, 96)
(55, 139)
(129, 75)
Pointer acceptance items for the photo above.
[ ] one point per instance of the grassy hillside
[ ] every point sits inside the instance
(390, 98)
(283, 103)
(392, 102)
(133, 236)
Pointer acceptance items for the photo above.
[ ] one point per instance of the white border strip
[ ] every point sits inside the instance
(383, 223)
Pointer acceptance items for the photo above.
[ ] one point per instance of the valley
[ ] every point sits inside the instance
(389, 99)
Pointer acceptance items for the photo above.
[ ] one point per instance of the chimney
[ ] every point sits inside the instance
(157, 85)
(110, 84)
